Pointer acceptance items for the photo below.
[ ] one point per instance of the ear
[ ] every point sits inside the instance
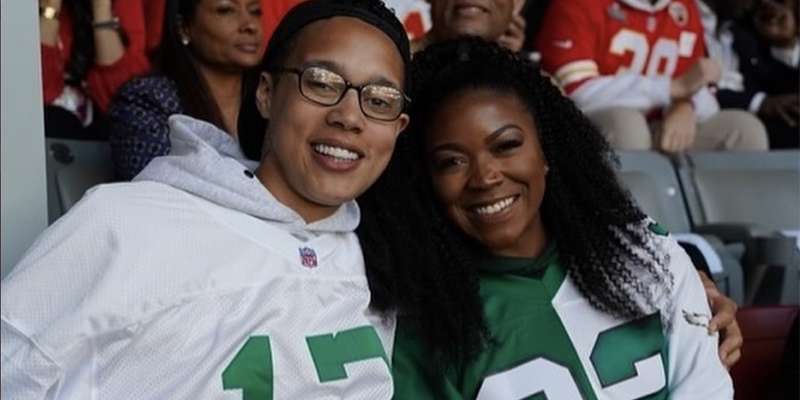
(518, 6)
(266, 88)
(184, 31)
(402, 123)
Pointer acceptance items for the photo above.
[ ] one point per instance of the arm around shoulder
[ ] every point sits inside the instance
(694, 366)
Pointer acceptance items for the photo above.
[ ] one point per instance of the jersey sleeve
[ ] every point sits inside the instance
(629, 90)
(44, 327)
(695, 370)
(705, 104)
(28, 371)
(566, 42)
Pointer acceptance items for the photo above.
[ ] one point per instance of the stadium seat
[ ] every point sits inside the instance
(73, 166)
(652, 181)
(766, 331)
(752, 199)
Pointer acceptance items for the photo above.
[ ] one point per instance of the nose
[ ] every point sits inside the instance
(347, 113)
(484, 174)
(249, 23)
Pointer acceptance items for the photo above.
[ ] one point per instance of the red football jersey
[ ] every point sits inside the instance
(582, 39)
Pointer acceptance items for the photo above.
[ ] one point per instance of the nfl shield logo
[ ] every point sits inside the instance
(308, 257)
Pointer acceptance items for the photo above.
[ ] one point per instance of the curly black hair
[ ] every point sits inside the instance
(602, 236)
(414, 264)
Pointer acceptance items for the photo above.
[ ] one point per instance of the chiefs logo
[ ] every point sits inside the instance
(679, 13)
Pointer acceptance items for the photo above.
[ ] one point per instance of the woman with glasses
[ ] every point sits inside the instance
(214, 277)
(205, 53)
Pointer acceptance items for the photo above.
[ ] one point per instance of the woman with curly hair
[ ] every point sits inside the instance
(583, 295)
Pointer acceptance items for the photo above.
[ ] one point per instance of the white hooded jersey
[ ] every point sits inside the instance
(193, 283)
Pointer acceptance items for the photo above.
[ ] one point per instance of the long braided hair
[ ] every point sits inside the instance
(603, 237)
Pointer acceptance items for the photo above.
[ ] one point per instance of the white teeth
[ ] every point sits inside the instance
(496, 207)
(336, 152)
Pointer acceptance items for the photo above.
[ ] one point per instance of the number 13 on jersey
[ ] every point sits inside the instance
(252, 369)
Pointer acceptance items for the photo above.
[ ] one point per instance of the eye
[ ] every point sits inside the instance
(447, 162)
(323, 82)
(320, 86)
(506, 145)
(376, 103)
(225, 9)
(256, 11)
(380, 98)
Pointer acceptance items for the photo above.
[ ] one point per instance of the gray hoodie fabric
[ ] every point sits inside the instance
(207, 162)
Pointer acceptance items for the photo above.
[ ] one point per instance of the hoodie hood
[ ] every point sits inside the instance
(207, 162)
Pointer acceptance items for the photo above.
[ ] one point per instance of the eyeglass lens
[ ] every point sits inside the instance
(327, 87)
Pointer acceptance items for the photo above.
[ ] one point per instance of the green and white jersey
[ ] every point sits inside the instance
(550, 343)
(152, 291)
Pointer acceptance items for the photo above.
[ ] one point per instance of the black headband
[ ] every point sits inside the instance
(373, 12)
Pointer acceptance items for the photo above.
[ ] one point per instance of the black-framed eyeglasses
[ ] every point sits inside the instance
(327, 88)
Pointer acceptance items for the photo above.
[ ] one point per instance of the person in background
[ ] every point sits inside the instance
(271, 13)
(584, 296)
(206, 51)
(777, 25)
(752, 79)
(638, 69)
(777, 22)
(89, 48)
(494, 20)
(214, 277)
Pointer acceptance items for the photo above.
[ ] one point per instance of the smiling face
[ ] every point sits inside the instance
(488, 19)
(319, 156)
(225, 34)
(488, 170)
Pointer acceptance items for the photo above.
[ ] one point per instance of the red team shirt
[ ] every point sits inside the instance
(622, 52)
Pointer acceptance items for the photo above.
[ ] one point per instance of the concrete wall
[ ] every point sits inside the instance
(24, 199)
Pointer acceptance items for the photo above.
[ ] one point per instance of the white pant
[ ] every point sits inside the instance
(727, 130)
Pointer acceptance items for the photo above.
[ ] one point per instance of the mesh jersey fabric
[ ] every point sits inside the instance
(547, 340)
(148, 290)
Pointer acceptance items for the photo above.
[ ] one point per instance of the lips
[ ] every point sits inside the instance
(469, 9)
(494, 207)
(248, 47)
(336, 152)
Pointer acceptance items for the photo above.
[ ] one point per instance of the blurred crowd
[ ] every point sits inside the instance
(664, 75)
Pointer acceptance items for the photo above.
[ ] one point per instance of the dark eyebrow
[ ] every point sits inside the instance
(336, 67)
(499, 131)
(489, 139)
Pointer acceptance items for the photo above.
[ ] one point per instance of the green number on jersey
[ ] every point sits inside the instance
(332, 351)
(624, 352)
(619, 356)
(251, 370)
